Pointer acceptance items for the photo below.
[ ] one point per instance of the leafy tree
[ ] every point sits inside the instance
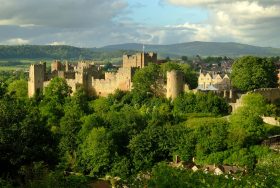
(200, 103)
(146, 81)
(3, 89)
(158, 143)
(96, 151)
(184, 58)
(189, 74)
(54, 98)
(23, 137)
(250, 73)
(57, 90)
(18, 88)
(246, 125)
(242, 157)
(211, 137)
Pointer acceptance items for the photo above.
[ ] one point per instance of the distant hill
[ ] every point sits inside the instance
(200, 48)
(116, 51)
(57, 52)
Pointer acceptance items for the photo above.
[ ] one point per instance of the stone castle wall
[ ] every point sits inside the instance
(175, 84)
(36, 78)
(270, 94)
(139, 60)
(89, 77)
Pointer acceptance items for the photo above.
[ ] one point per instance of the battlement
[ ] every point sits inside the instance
(110, 75)
(139, 60)
(85, 74)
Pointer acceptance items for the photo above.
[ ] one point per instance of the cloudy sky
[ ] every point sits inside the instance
(96, 23)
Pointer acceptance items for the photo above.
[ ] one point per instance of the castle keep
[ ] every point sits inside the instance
(96, 83)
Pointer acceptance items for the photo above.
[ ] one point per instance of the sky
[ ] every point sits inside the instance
(97, 23)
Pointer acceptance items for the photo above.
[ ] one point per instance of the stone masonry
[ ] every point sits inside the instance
(95, 83)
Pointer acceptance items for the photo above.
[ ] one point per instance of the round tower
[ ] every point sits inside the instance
(175, 84)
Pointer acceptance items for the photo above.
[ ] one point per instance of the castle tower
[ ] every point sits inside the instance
(56, 66)
(175, 84)
(139, 60)
(36, 78)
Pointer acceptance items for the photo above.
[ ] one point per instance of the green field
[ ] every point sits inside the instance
(20, 64)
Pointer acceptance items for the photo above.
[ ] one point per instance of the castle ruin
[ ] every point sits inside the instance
(97, 83)
(175, 84)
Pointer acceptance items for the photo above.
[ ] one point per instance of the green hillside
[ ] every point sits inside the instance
(201, 48)
(55, 52)
(43, 52)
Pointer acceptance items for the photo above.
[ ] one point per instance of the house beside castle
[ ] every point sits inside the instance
(213, 82)
(95, 82)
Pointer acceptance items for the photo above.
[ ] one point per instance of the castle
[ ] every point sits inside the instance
(96, 83)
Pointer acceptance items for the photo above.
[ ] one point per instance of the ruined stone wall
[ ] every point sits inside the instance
(36, 78)
(139, 60)
(102, 87)
(120, 80)
(110, 75)
(73, 84)
(133, 60)
(57, 66)
(270, 94)
(175, 84)
(89, 76)
(124, 78)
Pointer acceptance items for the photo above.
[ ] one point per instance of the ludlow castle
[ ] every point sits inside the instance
(96, 83)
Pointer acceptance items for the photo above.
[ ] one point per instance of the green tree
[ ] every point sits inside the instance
(246, 125)
(18, 88)
(200, 103)
(24, 139)
(57, 90)
(3, 89)
(147, 82)
(55, 96)
(189, 74)
(250, 73)
(96, 151)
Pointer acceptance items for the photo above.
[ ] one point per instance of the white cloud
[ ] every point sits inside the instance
(246, 21)
(55, 43)
(60, 13)
(192, 2)
(17, 41)
(94, 23)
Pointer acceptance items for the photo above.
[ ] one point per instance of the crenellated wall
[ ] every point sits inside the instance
(270, 94)
(139, 60)
(37, 74)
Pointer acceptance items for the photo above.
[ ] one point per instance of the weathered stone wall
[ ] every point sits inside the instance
(120, 80)
(36, 78)
(89, 77)
(271, 120)
(175, 84)
(139, 60)
(270, 94)
(57, 66)
(102, 87)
